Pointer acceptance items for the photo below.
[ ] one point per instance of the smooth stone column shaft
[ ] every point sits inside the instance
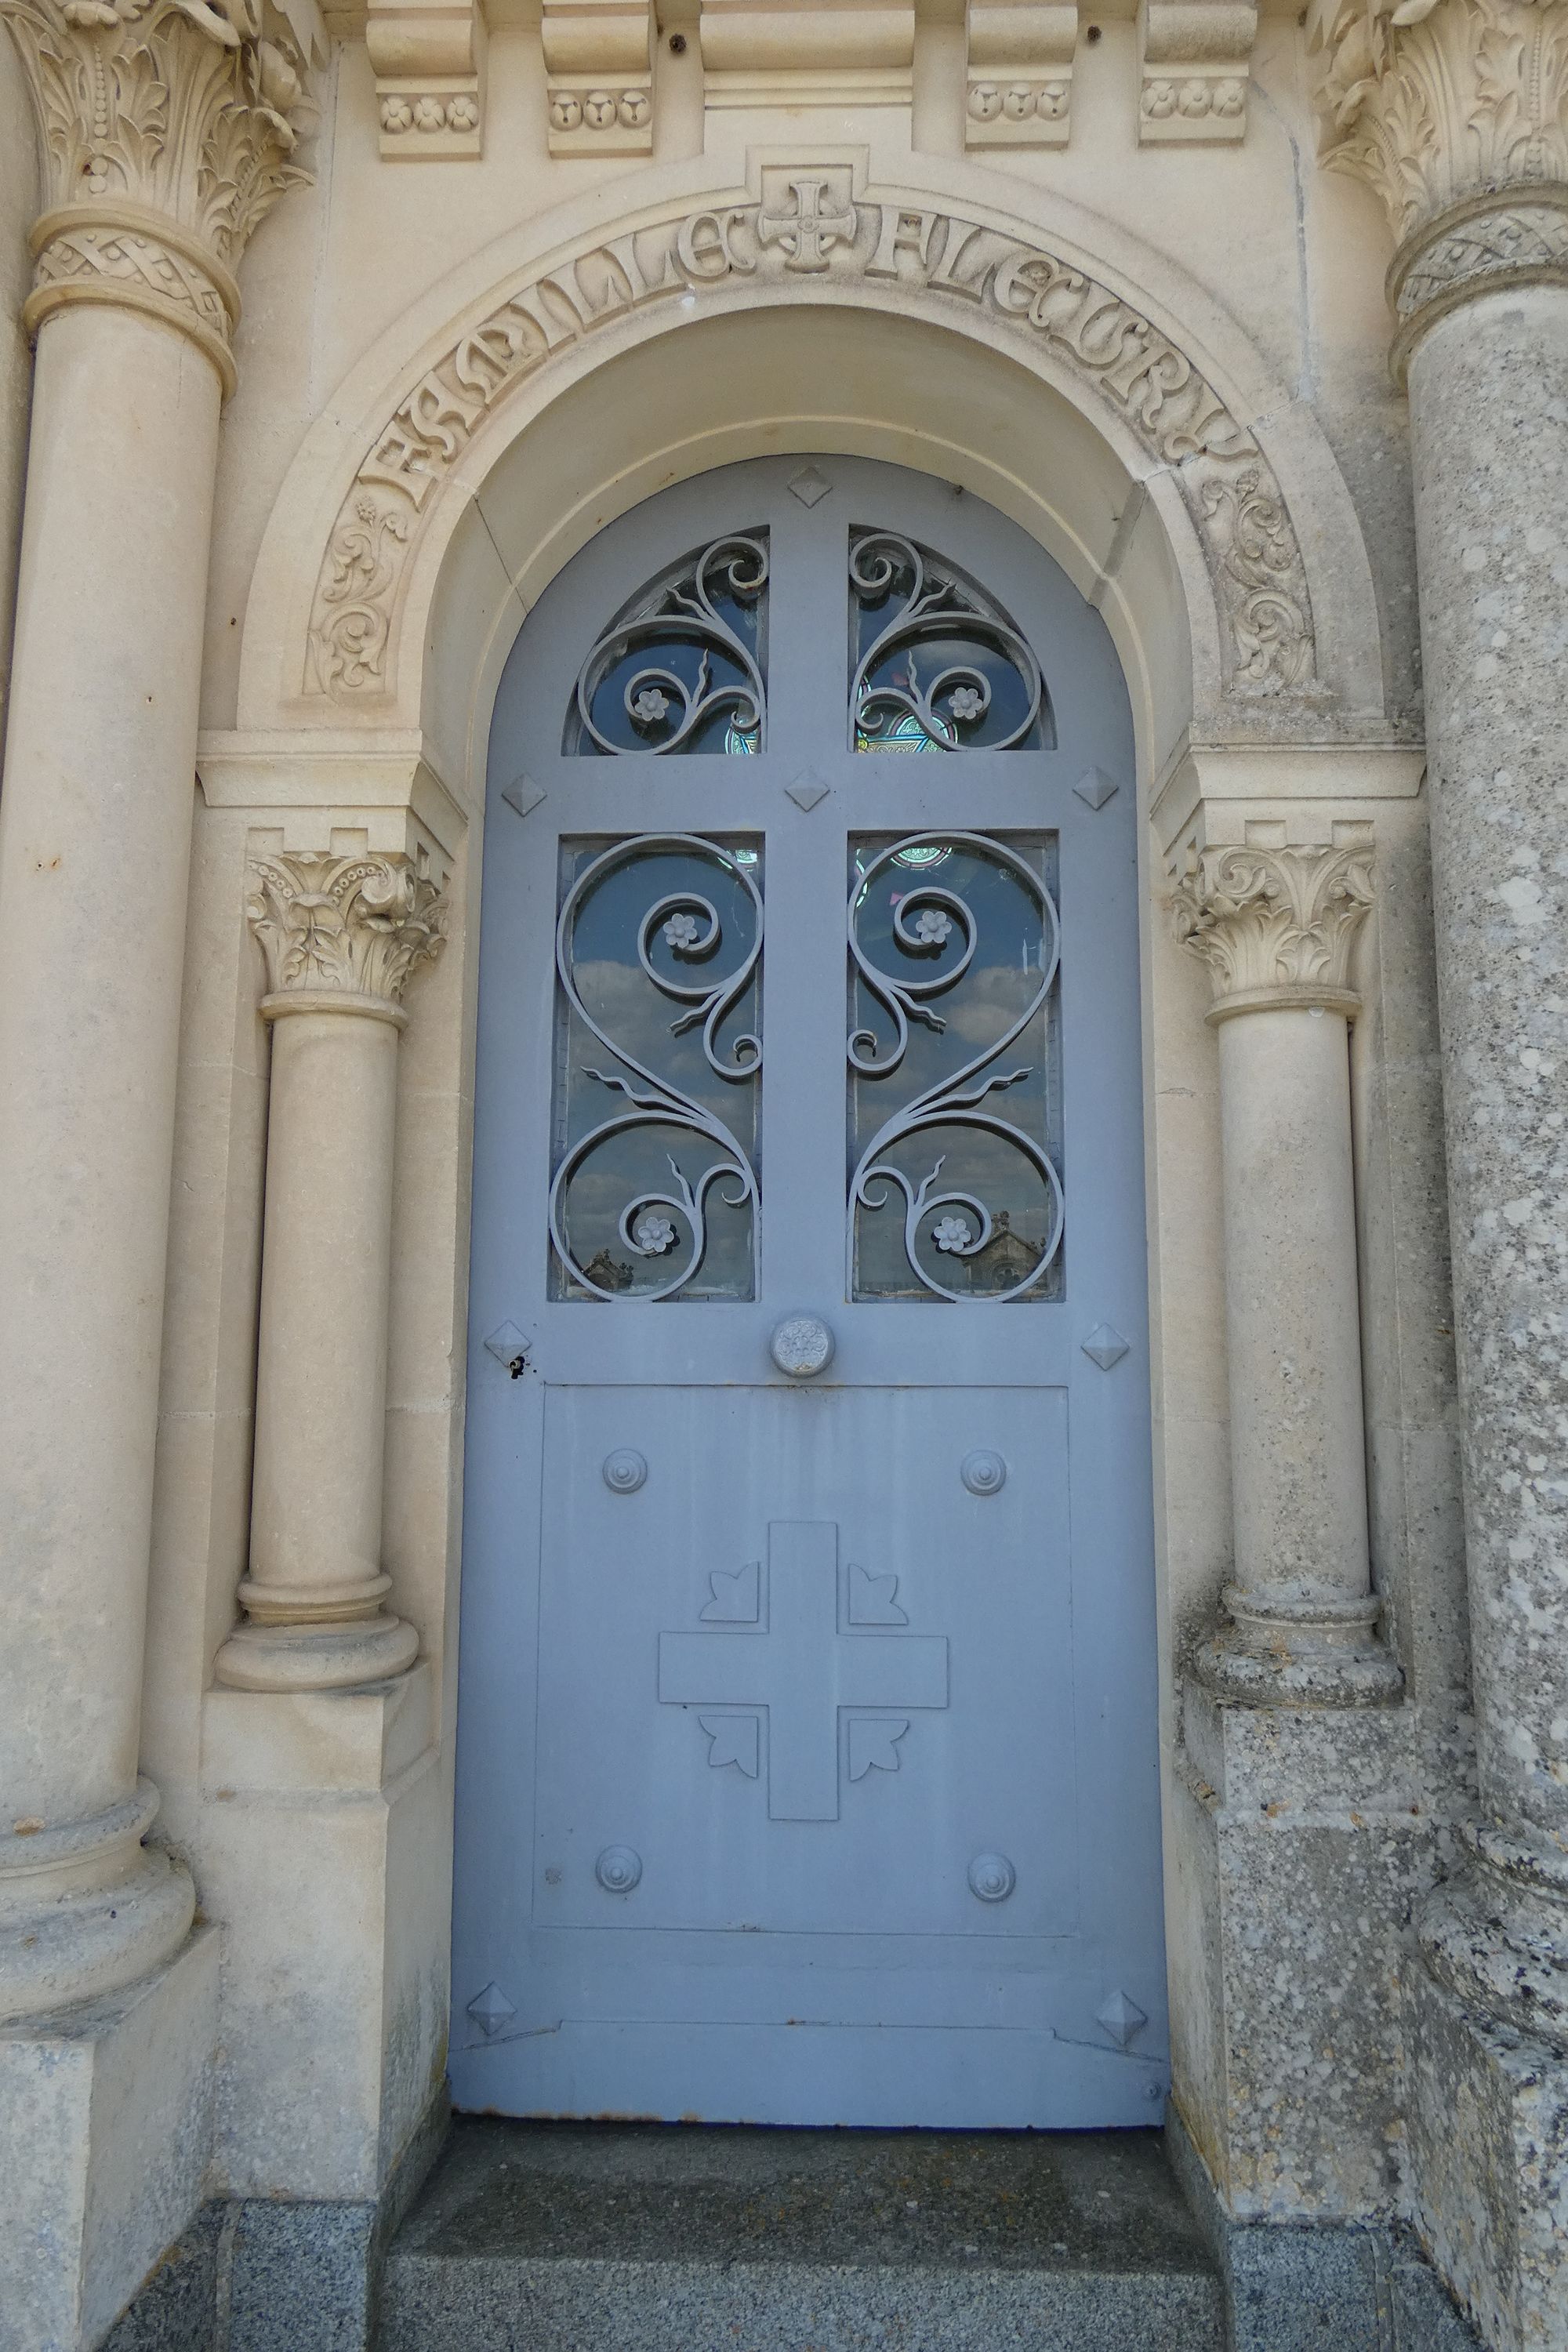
(95, 832)
(1489, 410)
(1292, 1305)
(316, 1581)
(1302, 1615)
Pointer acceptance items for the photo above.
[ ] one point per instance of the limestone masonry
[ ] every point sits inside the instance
(332, 335)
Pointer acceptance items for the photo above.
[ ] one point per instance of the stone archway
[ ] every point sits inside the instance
(1099, 400)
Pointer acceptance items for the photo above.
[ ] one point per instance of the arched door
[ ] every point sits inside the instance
(807, 1758)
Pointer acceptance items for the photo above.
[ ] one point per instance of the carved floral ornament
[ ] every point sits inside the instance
(354, 927)
(809, 227)
(1455, 113)
(1276, 927)
(166, 129)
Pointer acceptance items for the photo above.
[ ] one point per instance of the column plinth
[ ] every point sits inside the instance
(1276, 928)
(340, 936)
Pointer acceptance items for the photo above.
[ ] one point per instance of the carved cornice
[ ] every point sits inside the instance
(810, 229)
(343, 933)
(1276, 927)
(1455, 111)
(166, 129)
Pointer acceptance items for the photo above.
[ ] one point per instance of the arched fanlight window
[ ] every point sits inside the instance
(682, 667)
(935, 665)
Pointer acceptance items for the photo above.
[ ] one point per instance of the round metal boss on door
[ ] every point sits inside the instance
(992, 1878)
(625, 1470)
(802, 1346)
(618, 1869)
(982, 1471)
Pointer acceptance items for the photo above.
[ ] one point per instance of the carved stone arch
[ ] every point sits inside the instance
(1143, 442)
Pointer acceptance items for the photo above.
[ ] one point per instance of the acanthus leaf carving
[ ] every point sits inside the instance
(1157, 390)
(1438, 104)
(355, 926)
(167, 132)
(1277, 925)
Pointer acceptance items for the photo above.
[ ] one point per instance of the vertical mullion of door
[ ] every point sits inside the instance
(802, 1219)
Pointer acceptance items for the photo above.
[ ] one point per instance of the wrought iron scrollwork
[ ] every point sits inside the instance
(957, 1223)
(684, 653)
(665, 1220)
(937, 623)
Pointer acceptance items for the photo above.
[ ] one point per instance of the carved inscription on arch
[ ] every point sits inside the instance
(807, 227)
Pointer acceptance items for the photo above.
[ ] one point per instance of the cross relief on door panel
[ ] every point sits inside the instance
(807, 1665)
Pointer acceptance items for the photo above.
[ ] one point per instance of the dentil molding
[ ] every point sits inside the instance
(167, 130)
(351, 929)
(1455, 113)
(1276, 927)
(805, 227)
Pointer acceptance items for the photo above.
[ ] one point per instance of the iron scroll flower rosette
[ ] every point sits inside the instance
(657, 1220)
(925, 921)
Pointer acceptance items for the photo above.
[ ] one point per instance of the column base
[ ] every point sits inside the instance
(1488, 2129)
(87, 1909)
(1288, 1646)
(105, 2136)
(316, 1657)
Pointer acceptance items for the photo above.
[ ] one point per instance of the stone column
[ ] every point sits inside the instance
(1276, 928)
(1456, 114)
(340, 936)
(165, 133)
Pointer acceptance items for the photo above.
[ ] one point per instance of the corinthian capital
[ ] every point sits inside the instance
(352, 927)
(1276, 927)
(166, 129)
(1454, 111)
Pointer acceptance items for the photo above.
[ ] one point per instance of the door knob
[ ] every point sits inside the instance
(802, 1346)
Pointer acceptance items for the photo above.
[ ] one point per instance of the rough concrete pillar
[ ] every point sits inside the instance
(1459, 116)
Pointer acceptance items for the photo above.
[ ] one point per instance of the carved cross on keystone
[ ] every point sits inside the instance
(805, 1668)
(809, 234)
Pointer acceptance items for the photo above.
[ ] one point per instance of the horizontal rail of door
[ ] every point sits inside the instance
(901, 1344)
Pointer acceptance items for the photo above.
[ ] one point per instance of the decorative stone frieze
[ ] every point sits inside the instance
(808, 224)
(1018, 86)
(1194, 69)
(1276, 927)
(759, 53)
(599, 55)
(167, 130)
(340, 936)
(429, 78)
(1455, 113)
(353, 925)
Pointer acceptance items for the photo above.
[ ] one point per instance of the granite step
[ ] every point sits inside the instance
(671, 2238)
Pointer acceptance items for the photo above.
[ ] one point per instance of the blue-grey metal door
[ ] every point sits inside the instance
(807, 1760)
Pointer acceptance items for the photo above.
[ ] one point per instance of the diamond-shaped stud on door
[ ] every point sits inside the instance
(806, 790)
(1095, 787)
(491, 2009)
(810, 486)
(1121, 2017)
(522, 794)
(1105, 1346)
